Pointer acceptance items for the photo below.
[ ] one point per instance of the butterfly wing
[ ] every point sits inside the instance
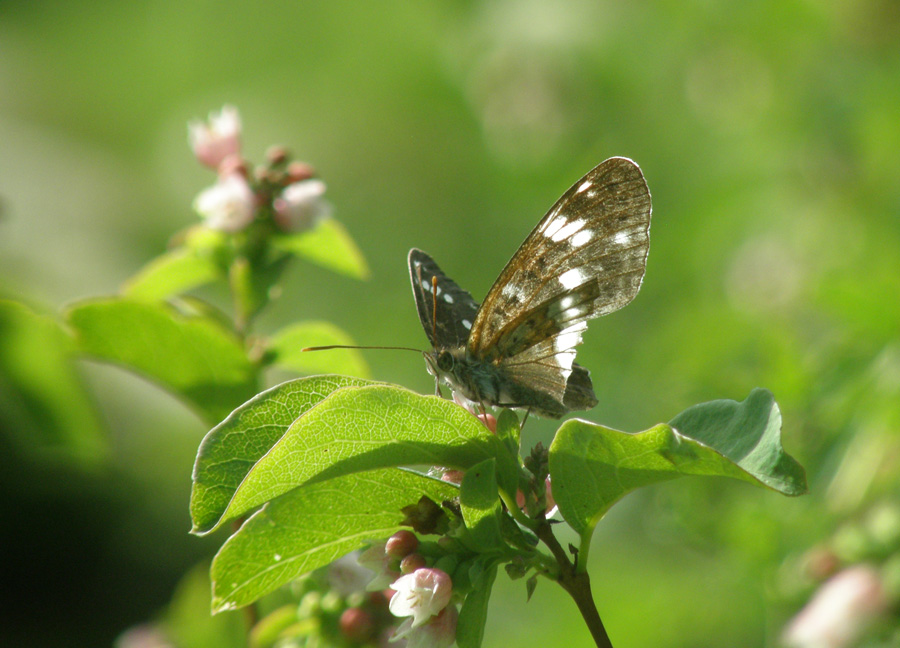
(586, 258)
(448, 327)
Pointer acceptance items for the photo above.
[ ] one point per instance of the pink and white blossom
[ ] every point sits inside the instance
(376, 559)
(439, 632)
(840, 612)
(227, 206)
(300, 205)
(216, 139)
(421, 595)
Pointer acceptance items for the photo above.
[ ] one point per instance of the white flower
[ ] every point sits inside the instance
(421, 595)
(439, 632)
(840, 612)
(228, 205)
(301, 205)
(375, 559)
(215, 140)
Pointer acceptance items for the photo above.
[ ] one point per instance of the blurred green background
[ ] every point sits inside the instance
(768, 133)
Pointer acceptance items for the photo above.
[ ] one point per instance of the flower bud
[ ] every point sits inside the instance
(299, 171)
(401, 544)
(357, 625)
(411, 563)
(216, 139)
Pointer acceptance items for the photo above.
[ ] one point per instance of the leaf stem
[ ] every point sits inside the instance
(517, 514)
(577, 583)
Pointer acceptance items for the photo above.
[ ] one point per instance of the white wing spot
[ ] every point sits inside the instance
(554, 226)
(426, 285)
(566, 301)
(565, 343)
(581, 238)
(448, 298)
(621, 238)
(565, 232)
(509, 290)
(584, 185)
(467, 324)
(571, 278)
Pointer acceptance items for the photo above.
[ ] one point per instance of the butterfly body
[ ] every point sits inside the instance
(584, 259)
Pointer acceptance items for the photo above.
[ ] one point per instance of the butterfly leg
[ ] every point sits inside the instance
(524, 418)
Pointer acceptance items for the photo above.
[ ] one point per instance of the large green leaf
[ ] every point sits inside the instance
(230, 449)
(365, 428)
(195, 358)
(480, 505)
(172, 273)
(43, 403)
(473, 614)
(286, 347)
(311, 526)
(329, 245)
(593, 466)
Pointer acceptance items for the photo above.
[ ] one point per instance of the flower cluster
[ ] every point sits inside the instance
(423, 594)
(281, 192)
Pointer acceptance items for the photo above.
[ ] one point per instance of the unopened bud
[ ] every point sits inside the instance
(299, 171)
(277, 155)
(401, 544)
(411, 563)
(357, 625)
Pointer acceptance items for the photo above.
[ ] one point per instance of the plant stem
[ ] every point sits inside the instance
(577, 583)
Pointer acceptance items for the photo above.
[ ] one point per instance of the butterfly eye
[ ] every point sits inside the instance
(445, 361)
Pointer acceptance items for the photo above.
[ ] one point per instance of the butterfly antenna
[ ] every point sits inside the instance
(348, 346)
(434, 307)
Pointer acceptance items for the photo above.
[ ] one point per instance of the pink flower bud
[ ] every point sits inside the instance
(216, 139)
(411, 563)
(421, 595)
(401, 544)
(299, 171)
(301, 206)
(357, 625)
(840, 612)
(453, 476)
(227, 206)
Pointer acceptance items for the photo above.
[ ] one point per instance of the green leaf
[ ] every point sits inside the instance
(509, 429)
(748, 433)
(287, 347)
(312, 526)
(230, 449)
(473, 614)
(365, 428)
(593, 466)
(43, 403)
(195, 358)
(171, 274)
(480, 505)
(187, 621)
(328, 245)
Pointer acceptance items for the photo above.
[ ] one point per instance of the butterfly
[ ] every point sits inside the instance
(584, 259)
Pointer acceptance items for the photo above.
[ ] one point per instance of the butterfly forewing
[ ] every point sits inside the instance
(449, 328)
(586, 258)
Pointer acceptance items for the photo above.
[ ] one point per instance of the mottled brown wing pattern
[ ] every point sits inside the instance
(586, 258)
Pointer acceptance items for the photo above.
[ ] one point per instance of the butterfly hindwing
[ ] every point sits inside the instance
(449, 327)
